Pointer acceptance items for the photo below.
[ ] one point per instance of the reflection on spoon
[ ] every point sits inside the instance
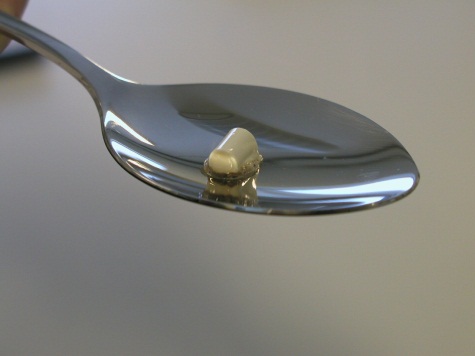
(319, 157)
(242, 193)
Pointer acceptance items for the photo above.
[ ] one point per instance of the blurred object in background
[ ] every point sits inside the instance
(13, 50)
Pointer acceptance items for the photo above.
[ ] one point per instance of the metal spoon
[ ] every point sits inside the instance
(319, 157)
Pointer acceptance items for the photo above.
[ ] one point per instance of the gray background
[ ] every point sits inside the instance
(94, 262)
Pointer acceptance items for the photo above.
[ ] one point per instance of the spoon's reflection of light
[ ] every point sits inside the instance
(124, 151)
(113, 119)
(363, 201)
(113, 74)
(134, 162)
(402, 184)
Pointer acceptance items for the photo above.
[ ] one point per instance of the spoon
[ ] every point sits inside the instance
(319, 157)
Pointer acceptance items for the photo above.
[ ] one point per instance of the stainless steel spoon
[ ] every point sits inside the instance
(319, 157)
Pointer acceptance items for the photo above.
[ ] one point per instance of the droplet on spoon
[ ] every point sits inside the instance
(239, 192)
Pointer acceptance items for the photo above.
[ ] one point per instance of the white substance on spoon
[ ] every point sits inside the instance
(236, 157)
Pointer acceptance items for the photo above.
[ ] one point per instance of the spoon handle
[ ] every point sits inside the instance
(93, 77)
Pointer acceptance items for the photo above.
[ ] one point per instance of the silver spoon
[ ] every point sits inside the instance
(319, 157)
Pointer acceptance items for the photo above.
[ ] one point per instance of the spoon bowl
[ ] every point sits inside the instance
(319, 157)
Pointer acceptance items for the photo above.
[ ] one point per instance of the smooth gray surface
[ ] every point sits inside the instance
(93, 262)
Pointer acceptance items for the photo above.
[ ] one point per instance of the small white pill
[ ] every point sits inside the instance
(236, 156)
